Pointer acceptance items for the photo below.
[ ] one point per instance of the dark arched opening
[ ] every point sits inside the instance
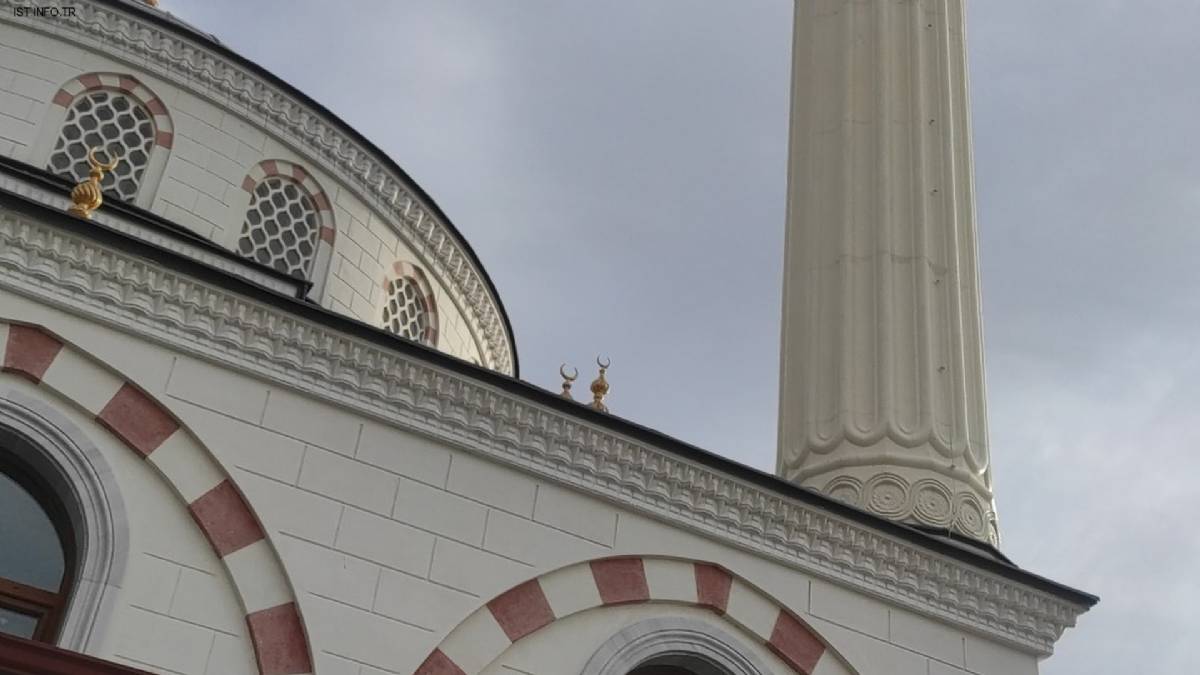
(678, 664)
(37, 550)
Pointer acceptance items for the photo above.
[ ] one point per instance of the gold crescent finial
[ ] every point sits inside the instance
(567, 380)
(97, 164)
(600, 386)
(86, 196)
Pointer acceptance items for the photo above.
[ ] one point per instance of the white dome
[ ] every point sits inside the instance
(217, 145)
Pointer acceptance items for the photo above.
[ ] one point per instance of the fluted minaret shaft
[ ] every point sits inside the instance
(882, 390)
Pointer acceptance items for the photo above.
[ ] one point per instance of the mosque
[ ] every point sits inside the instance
(261, 410)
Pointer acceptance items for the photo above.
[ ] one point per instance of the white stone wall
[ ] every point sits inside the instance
(390, 539)
(177, 611)
(212, 152)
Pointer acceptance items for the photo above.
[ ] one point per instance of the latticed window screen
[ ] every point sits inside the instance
(115, 123)
(406, 313)
(281, 227)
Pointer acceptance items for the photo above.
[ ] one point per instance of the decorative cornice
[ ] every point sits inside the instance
(192, 66)
(150, 235)
(144, 299)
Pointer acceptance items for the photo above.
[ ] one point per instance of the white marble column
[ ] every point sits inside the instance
(882, 390)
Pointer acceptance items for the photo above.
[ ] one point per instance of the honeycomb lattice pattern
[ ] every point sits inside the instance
(281, 227)
(406, 313)
(111, 121)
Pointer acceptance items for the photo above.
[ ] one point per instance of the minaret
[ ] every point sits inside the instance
(881, 388)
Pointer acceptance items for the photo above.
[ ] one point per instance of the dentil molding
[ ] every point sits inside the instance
(192, 66)
(138, 297)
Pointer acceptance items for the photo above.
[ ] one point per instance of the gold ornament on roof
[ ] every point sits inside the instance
(86, 196)
(567, 380)
(600, 386)
(152, 3)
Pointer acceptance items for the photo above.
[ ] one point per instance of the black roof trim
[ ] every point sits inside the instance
(979, 555)
(55, 183)
(167, 21)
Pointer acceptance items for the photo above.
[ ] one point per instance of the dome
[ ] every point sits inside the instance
(218, 145)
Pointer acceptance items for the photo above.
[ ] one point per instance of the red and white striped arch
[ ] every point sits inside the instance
(222, 514)
(327, 233)
(164, 130)
(535, 604)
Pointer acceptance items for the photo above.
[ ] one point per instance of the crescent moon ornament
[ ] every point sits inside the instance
(97, 164)
(86, 196)
(567, 380)
(605, 364)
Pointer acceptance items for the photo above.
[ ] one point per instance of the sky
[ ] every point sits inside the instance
(619, 167)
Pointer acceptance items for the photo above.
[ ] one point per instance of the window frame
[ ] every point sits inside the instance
(402, 270)
(682, 641)
(48, 607)
(147, 144)
(310, 264)
(41, 438)
(319, 266)
(121, 83)
(395, 287)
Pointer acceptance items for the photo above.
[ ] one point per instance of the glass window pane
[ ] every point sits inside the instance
(15, 623)
(30, 551)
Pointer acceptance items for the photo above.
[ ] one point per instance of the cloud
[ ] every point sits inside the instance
(620, 168)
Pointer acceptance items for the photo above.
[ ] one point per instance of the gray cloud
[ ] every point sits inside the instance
(620, 168)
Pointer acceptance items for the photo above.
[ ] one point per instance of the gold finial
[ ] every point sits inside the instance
(600, 386)
(567, 380)
(152, 3)
(86, 196)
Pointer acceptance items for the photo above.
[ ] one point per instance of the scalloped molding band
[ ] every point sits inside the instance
(131, 295)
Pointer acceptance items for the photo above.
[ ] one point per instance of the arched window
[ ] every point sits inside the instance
(281, 227)
(54, 463)
(112, 121)
(288, 223)
(409, 308)
(36, 556)
(406, 313)
(118, 114)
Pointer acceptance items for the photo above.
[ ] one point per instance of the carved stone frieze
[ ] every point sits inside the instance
(190, 65)
(151, 235)
(131, 295)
